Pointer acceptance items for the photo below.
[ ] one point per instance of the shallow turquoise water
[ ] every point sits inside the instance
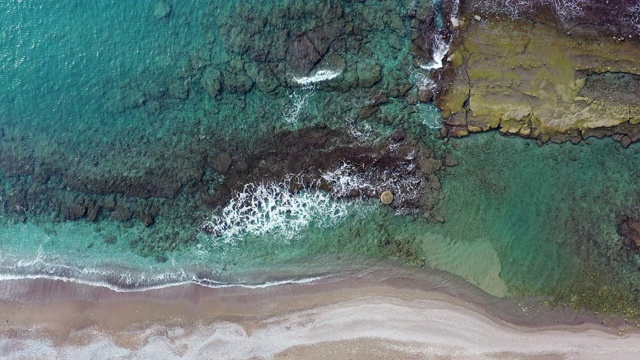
(98, 88)
(549, 211)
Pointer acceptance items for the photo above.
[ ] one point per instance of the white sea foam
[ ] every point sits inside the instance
(634, 15)
(117, 278)
(194, 280)
(348, 179)
(273, 209)
(422, 81)
(441, 42)
(318, 76)
(430, 116)
(363, 133)
(292, 112)
(440, 50)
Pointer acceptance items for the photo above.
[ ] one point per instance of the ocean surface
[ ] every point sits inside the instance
(116, 118)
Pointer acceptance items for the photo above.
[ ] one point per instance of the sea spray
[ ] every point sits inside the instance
(441, 38)
(438, 52)
(318, 76)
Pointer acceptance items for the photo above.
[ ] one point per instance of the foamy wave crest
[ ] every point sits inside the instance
(148, 284)
(113, 276)
(439, 51)
(121, 278)
(292, 113)
(362, 133)
(273, 209)
(348, 180)
(319, 76)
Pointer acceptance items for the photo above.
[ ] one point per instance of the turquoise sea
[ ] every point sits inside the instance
(127, 126)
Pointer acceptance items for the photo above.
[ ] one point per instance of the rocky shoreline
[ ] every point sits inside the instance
(536, 72)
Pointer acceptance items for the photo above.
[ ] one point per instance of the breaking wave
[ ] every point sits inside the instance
(125, 279)
(273, 209)
(439, 51)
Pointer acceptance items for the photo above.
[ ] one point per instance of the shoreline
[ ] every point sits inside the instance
(391, 314)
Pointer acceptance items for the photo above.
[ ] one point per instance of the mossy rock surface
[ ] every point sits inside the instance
(529, 79)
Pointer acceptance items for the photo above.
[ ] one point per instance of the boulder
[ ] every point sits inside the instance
(369, 73)
(301, 56)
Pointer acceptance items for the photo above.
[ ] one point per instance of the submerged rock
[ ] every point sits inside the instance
(629, 229)
(161, 10)
(221, 162)
(301, 56)
(212, 82)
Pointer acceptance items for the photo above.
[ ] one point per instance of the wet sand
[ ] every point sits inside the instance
(376, 316)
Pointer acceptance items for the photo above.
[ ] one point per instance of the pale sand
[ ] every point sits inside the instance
(350, 318)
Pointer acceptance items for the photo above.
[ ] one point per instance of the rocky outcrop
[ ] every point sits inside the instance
(528, 79)
(333, 161)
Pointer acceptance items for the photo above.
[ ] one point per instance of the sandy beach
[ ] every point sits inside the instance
(353, 317)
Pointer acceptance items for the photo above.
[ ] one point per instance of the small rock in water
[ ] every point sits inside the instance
(162, 10)
(109, 239)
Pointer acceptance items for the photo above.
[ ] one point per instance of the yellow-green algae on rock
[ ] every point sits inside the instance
(529, 79)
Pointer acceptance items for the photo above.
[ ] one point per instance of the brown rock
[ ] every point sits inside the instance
(110, 202)
(110, 239)
(629, 229)
(434, 182)
(366, 112)
(76, 211)
(399, 136)
(237, 82)
(93, 210)
(212, 82)
(323, 36)
(430, 165)
(458, 131)
(301, 56)
(266, 81)
(221, 162)
(369, 73)
(146, 217)
(425, 95)
(450, 160)
(122, 212)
